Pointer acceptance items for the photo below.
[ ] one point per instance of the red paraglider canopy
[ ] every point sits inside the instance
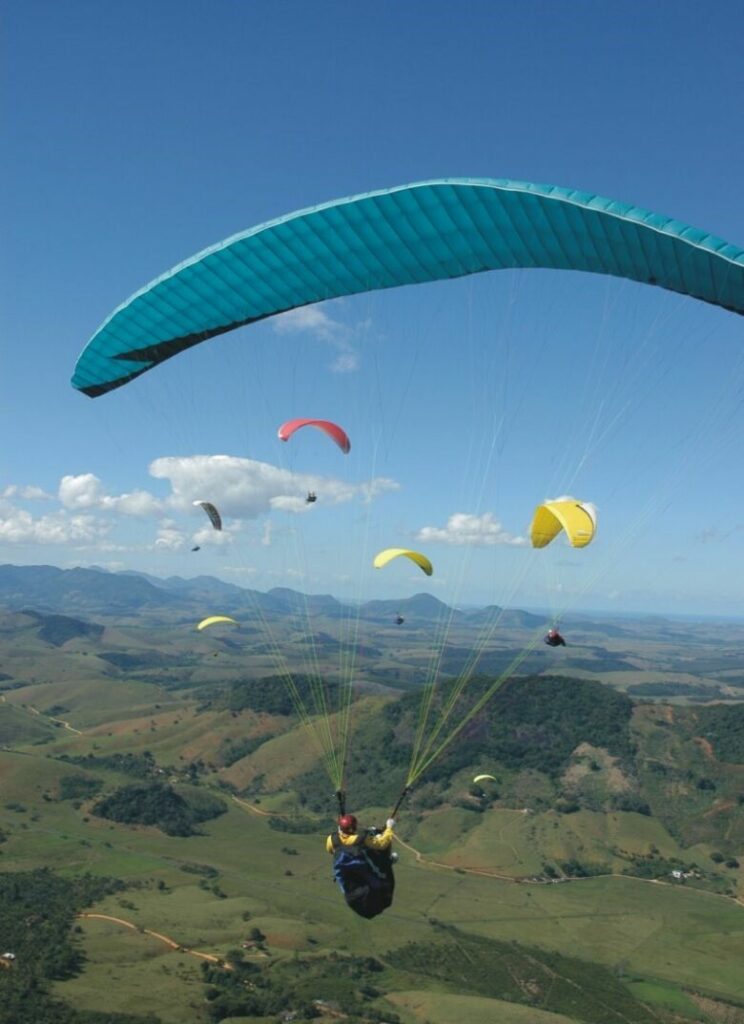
(332, 429)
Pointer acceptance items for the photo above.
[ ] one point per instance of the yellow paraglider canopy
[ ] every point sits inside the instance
(577, 518)
(480, 778)
(389, 554)
(212, 619)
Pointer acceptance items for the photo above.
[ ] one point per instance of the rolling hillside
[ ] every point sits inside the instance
(609, 840)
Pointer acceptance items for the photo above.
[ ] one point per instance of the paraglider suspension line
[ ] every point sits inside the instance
(341, 797)
(403, 794)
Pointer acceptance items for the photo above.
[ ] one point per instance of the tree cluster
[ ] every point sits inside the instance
(158, 804)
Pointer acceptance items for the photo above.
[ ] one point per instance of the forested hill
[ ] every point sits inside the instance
(531, 725)
(558, 744)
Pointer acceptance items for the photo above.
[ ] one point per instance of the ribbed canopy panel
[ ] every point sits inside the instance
(427, 231)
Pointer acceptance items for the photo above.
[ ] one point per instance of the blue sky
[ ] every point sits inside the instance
(139, 133)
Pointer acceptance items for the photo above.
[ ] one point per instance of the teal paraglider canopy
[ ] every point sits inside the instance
(411, 234)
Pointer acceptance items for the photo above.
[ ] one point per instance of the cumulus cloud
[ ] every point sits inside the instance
(86, 491)
(27, 493)
(247, 489)
(288, 503)
(463, 529)
(17, 526)
(85, 514)
(169, 537)
(316, 321)
(313, 319)
(206, 536)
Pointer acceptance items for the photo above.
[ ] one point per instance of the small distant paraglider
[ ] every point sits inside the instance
(213, 620)
(311, 498)
(196, 547)
(399, 620)
(382, 559)
(214, 517)
(336, 433)
(482, 778)
(554, 639)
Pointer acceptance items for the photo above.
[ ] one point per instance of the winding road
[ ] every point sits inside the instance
(211, 957)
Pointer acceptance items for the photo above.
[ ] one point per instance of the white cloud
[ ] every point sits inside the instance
(243, 489)
(17, 526)
(463, 529)
(138, 503)
(288, 503)
(314, 320)
(86, 491)
(27, 493)
(170, 539)
(311, 319)
(207, 536)
(247, 489)
(346, 361)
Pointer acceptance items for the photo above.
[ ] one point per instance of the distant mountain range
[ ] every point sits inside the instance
(48, 589)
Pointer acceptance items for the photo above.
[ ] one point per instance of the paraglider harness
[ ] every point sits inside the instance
(364, 874)
(554, 639)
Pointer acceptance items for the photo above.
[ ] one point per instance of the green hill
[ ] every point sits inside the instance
(549, 891)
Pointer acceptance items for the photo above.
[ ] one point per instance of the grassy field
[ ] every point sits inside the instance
(138, 975)
(668, 997)
(442, 1008)
(208, 891)
(518, 843)
(656, 931)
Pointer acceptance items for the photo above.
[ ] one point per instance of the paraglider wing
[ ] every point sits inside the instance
(482, 778)
(427, 231)
(389, 554)
(212, 620)
(578, 519)
(214, 517)
(333, 430)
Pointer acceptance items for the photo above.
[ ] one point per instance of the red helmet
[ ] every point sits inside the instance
(347, 823)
